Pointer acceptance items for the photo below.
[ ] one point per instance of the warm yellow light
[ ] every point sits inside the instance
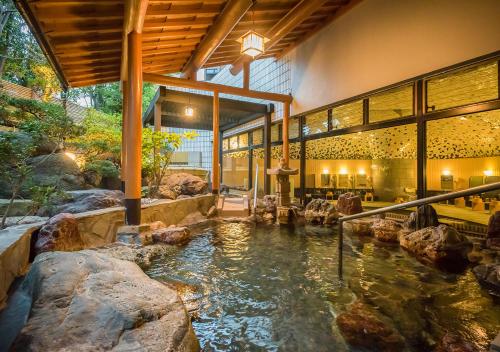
(362, 171)
(252, 43)
(488, 173)
(343, 171)
(70, 155)
(325, 171)
(446, 172)
(189, 111)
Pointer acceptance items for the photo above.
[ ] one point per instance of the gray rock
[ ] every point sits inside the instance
(23, 220)
(60, 233)
(171, 235)
(441, 245)
(84, 200)
(452, 342)
(493, 236)
(320, 211)
(488, 276)
(427, 216)
(141, 255)
(56, 170)
(386, 230)
(87, 301)
(186, 184)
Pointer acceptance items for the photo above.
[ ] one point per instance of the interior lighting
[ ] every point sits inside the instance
(325, 171)
(361, 171)
(343, 171)
(446, 172)
(189, 111)
(252, 43)
(488, 172)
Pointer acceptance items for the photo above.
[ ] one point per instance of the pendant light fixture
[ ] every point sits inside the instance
(252, 43)
(189, 111)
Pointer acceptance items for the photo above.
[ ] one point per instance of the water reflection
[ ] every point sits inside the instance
(270, 288)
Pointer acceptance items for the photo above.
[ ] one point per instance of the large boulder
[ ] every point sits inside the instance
(426, 216)
(171, 235)
(87, 301)
(19, 207)
(488, 276)
(386, 230)
(164, 192)
(451, 342)
(85, 200)
(60, 233)
(187, 184)
(56, 170)
(349, 204)
(361, 328)
(493, 236)
(441, 245)
(319, 211)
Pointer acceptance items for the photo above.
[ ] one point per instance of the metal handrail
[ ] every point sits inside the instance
(414, 203)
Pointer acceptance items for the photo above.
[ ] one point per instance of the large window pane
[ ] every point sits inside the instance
(316, 123)
(275, 132)
(463, 151)
(233, 142)
(380, 162)
(293, 128)
(225, 144)
(243, 140)
(258, 136)
(392, 104)
(464, 87)
(235, 170)
(347, 115)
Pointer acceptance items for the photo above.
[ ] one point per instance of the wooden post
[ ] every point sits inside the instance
(134, 130)
(267, 150)
(286, 117)
(123, 173)
(246, 75)
(215, 147)
(157, 117)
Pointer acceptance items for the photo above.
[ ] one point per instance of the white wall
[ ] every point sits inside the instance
(380, 42)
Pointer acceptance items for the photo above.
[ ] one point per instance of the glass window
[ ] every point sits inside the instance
(233, 142)
(258, 136)
(225, 144)
(243, 140)
(258, 159)
(463, 152)
(316, 123)
(464, 87)
(347, 115)
(275, 132)
(392, 104)
(235, 169)
(293, 128)
(381, 163)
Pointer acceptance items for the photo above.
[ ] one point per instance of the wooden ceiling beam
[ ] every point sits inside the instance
(207, 86)
(226, 21)
(169, 43)
(297, 15)
(133, 21)
(87, 82)
(175, 23)
(173, 34)
(173, 50)
(160, 11)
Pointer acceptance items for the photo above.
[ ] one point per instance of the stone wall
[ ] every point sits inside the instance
(97, 228)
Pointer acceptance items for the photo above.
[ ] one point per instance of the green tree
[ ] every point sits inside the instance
(157, 150)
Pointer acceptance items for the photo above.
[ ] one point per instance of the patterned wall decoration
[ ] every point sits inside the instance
(258, 153)
(387, 143)
(277, 151)
(468, 136)
(237, 155)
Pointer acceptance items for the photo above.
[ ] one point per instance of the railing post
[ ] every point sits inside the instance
(340, 248)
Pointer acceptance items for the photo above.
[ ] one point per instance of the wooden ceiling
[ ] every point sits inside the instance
(83, 39)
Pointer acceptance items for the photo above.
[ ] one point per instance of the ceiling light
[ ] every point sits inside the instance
(189, 111)
(252, 43)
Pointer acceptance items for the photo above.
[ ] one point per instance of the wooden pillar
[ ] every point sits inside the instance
(157, 117)
(286, 118)
(134, 130)
(246, 75)
(267, 150)
(215, 146)
(123, 173)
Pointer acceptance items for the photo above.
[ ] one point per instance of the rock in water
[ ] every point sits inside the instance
(186, 184)
(362, 328)
(454, 343)
(81, 201)
(171, 235)
(441, 245)
(87, 301)
(488, 276)
(427, 216)
(319, 211)
(386, 230)
(349, 204)
(493, 237)
(60, 233)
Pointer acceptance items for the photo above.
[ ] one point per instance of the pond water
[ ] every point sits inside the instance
(276, 289)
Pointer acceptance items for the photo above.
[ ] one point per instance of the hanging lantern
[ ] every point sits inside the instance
(189, 111)
(252, 43)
